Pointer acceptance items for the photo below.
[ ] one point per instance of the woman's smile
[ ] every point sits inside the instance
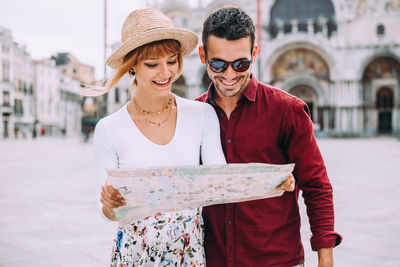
(162, 83)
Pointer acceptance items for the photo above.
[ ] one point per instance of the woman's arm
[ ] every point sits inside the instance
(211, 149)
(106, 157)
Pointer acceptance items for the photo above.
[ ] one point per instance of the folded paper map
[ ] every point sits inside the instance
(165, 189)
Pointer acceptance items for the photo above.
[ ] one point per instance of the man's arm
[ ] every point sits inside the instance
(310, 174)
(325, 257)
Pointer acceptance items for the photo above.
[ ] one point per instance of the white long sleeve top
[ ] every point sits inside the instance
(118, 143)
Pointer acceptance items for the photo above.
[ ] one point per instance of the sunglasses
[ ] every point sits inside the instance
(220, 65)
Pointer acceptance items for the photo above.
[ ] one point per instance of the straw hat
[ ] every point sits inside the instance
(147, 25)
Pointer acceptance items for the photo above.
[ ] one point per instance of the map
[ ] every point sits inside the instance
(148, 191)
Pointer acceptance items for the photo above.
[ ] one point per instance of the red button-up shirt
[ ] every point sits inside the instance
(269, 126)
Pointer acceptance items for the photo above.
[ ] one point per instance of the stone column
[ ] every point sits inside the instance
(279, 24)
(324, 23)
(325, 114)
(396, 121)
(336, 116)
(310, 26)
(295, 25)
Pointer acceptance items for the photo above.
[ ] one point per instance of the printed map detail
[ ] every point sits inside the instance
(165, 189)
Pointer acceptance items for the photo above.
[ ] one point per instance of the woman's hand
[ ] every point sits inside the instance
(111, 199)
(288, 184)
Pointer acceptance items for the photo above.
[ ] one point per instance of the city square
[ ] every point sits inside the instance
(49, 206)
(341, 57)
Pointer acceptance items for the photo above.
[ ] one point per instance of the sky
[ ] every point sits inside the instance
(47, 27)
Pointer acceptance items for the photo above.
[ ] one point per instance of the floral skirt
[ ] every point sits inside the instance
(165, 239)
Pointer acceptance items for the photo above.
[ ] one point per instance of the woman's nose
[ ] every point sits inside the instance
(164, 70)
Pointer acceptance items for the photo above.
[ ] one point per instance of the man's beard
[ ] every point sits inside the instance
(244, 83)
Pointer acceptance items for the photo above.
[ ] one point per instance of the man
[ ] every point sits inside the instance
(260, 123)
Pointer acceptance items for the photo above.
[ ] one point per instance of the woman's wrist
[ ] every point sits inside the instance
(109, 213)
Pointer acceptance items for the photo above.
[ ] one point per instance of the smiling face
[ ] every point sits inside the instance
(229, 83)
(156, 74)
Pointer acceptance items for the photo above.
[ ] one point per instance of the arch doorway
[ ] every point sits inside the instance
(384, 105)
(179, 88)
(308, 95)
(299, 62)
(380, 80)
(205, 82)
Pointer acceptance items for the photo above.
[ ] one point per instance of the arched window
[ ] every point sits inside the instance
(384, 99)
(205, 81)
(381, 68)
(384, 104)
(116, 96)
(179, 88)
(299, 61)
(306, 12)
(380, 30)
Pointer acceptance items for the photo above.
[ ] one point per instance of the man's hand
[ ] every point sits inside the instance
(288, 184)
(325, 257)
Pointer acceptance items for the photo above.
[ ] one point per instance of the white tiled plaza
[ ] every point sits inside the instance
(49, 217)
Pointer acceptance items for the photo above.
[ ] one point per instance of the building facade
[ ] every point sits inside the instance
(342, 57)
(48, 97)
(6, 83)
(72, 67)
(70, 106)
(92, 108)
(119, 95)
(24, 94)
(39, 97)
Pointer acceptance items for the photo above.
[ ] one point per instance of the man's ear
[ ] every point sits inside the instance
(255, 51)
(202, 54)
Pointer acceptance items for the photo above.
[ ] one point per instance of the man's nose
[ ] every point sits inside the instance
(230, 73)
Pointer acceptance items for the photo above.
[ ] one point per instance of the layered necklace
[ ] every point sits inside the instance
(146, 114)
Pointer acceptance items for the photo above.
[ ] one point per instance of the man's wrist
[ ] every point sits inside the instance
(325, 257)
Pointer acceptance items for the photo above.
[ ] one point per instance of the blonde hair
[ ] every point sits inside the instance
(155, 49)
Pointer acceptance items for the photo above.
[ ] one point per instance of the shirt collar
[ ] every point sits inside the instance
(250, 92)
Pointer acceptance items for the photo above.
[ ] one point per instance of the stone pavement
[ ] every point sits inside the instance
(366, 185)
(49, 217)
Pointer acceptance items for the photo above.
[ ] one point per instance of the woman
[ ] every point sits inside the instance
(156, 128)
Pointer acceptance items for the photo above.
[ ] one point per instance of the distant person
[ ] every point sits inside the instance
(24, 133)
(86, 133)
(16, 132)
(42, 131)
(34, 133)
(261, 123)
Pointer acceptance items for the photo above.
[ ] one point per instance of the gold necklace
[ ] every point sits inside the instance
(154, 123)
(143, 112)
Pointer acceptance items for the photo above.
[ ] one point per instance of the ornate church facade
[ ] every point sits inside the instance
(342, 57)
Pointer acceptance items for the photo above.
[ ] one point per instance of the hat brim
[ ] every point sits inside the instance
(187, 39)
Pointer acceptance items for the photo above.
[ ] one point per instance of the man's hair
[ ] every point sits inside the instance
(230, 23)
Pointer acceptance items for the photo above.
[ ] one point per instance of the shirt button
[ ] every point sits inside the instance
(221, 114)
(229, 141)
(229, 222)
